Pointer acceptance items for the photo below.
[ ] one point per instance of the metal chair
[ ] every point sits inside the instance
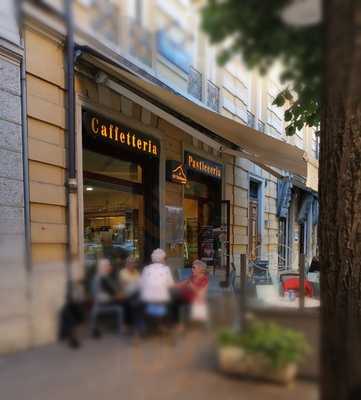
(102, 308)
(260, 272)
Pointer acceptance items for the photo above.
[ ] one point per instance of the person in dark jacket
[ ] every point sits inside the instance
(72, 314)
(315, 265)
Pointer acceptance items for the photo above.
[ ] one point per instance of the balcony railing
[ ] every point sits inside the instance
(251, 120)
(195, 83)
(212, 96)
(261, 126)
(104, 20)
(140, 43)
(124, 33)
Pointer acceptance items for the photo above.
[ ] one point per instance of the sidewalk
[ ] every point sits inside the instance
(117, 368)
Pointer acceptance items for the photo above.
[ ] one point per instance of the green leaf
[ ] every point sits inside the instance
(288, 115)
(290, 130)
(279, 101)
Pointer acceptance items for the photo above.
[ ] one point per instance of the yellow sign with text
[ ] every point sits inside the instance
(114, 133)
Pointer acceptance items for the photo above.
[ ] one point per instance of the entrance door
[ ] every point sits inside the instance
(191, 228)
(253, 229)
(224, 247)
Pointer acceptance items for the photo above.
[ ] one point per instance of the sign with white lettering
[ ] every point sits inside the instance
(198, 164)
(113, 133)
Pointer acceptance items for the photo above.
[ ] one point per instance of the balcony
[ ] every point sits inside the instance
(104, 20)
(261, 126)
(212, 96)
(123, 34)
(140, 43)
(251, 120)
(195, 83)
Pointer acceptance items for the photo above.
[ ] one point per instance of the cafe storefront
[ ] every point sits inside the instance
(121, 167)
(120, 190)
(206, 226)
(205, 229)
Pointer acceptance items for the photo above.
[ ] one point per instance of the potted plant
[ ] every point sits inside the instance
(263, 350)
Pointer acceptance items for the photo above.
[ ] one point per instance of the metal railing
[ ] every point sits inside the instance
(212, 96)
(195, 83)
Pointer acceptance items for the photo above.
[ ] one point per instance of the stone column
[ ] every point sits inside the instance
(13, 278)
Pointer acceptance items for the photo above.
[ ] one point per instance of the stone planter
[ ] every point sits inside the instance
(236, 361)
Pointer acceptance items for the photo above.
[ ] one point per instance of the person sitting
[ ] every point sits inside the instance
(129, 278)
(105, 288)
(107, 299)
(155, 283)
(194, 288)
(193, 291)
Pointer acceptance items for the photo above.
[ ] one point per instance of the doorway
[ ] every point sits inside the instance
(254, 238)
(203, 229)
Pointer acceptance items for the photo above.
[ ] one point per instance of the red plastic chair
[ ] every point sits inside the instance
(294, 284)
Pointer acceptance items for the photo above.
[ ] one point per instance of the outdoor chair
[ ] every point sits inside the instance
(102, 308)
(184, 273)
(260, 272)
(291, 281)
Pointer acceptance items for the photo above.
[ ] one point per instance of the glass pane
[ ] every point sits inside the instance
(112, 167)
(191, 230)
(196, 189)
(113, 223)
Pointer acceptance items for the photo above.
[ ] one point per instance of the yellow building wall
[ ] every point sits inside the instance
(47, 170)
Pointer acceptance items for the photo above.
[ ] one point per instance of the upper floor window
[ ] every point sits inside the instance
(174, 36)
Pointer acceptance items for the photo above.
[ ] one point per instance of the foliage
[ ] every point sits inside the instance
(254, 28)
(280, 345)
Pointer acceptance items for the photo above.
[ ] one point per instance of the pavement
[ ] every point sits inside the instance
(125, 369)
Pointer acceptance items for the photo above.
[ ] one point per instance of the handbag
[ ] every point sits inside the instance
(199, 312)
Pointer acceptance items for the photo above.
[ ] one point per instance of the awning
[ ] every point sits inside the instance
(216, 130)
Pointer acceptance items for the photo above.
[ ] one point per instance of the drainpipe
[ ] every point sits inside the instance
(72, 182)
(25, 156)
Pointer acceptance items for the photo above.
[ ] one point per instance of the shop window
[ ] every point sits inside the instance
(110, 167)
(113, 222)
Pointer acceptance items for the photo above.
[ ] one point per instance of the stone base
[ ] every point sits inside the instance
(236, 361)
(29, 314)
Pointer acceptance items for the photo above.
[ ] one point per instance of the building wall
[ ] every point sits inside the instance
(35, 298)
(13, 273)
(47, 170)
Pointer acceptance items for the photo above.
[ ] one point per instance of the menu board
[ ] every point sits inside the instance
(206, 241)
(174, 225)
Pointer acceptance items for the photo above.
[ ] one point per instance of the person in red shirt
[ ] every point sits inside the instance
(195, 287)
(191, 290)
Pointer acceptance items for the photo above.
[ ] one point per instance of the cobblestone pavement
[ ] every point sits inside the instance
(117, 368)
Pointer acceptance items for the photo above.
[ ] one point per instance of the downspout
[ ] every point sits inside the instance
(25, 156)
(72, 182)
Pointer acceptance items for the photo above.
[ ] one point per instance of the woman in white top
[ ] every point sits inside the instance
(156, 280)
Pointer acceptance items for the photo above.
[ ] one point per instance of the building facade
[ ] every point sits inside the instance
(146, 174)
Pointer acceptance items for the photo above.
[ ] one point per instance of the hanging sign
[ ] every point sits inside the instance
(175, 172)
(113, 133)
(203, 166)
